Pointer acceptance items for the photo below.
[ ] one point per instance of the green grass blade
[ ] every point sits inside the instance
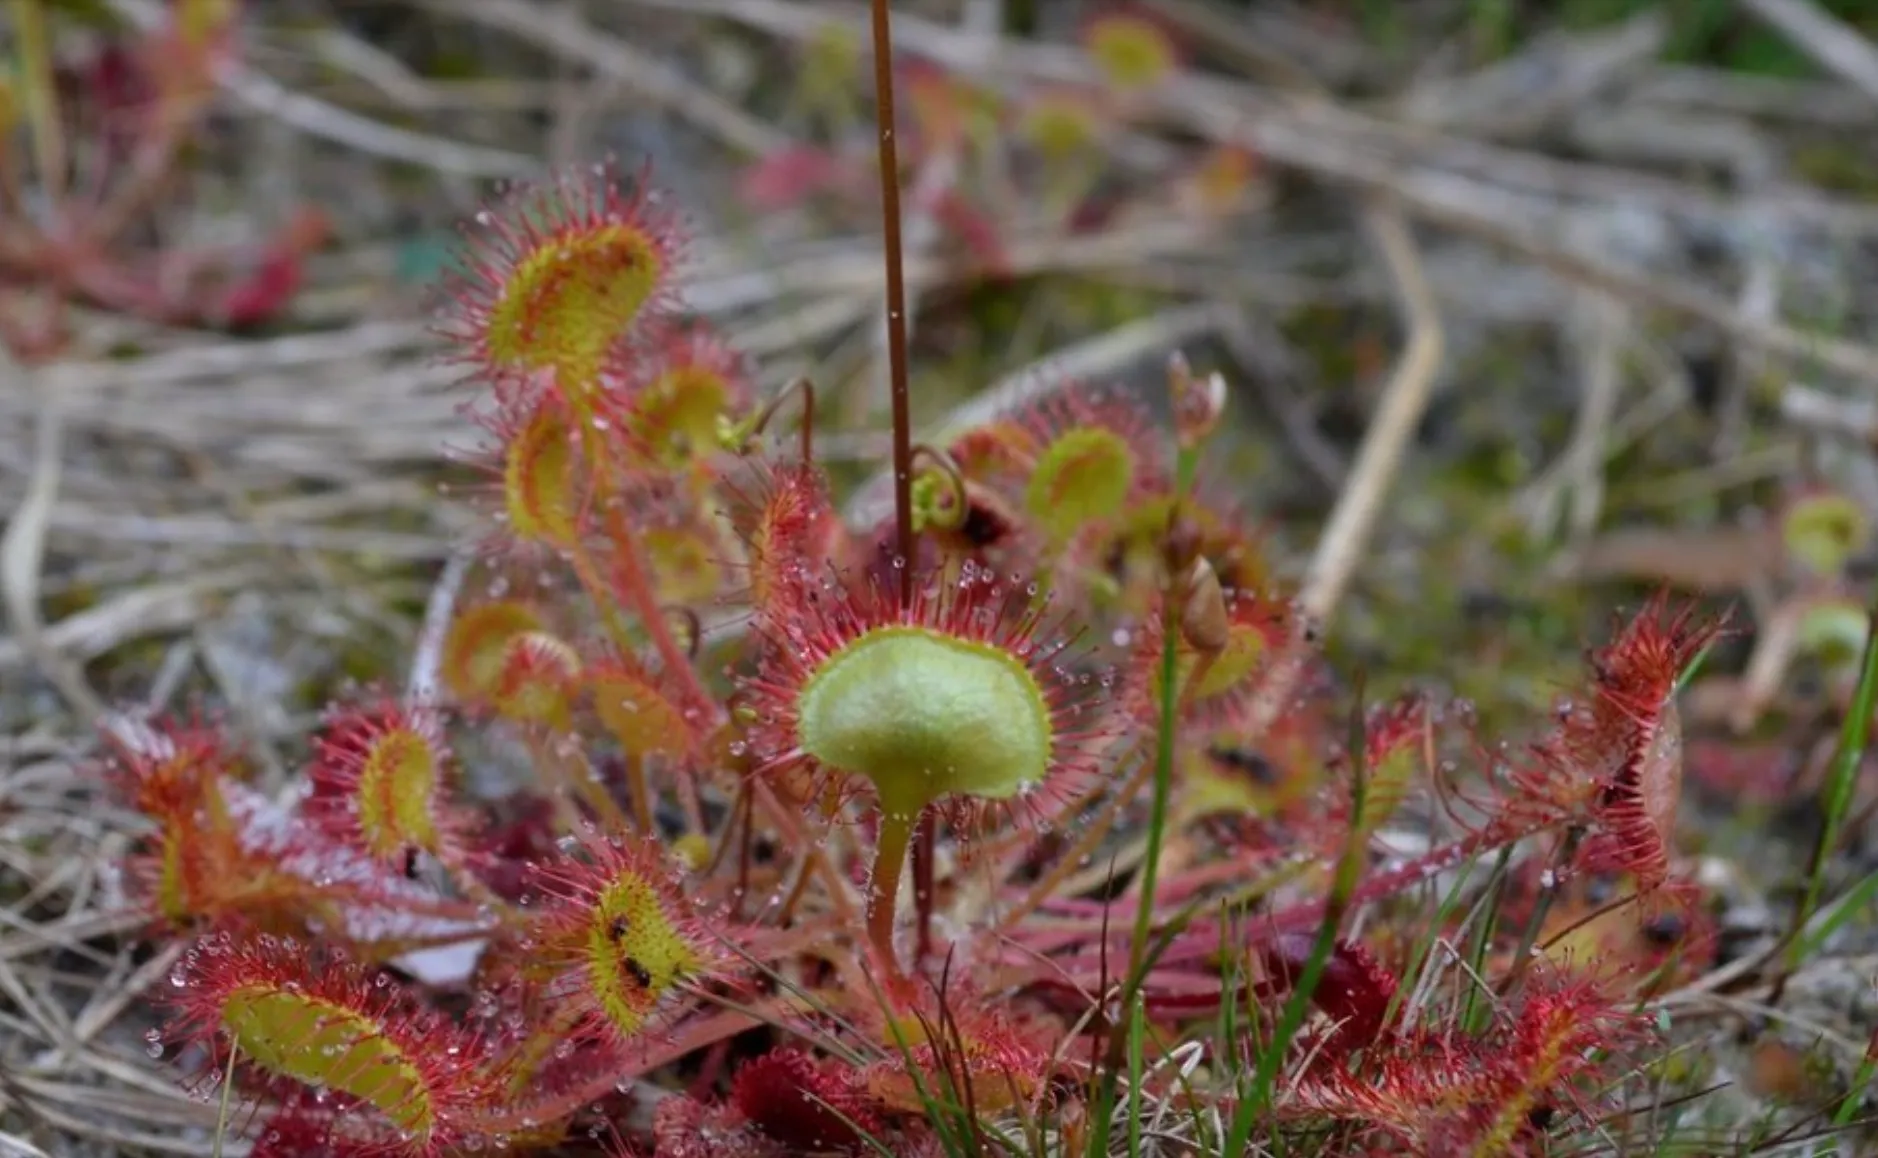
(1853, 735)
(1137, 1029)
(1343, 887)
(1858, 900)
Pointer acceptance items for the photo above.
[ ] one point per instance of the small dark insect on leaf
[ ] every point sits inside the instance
(983, 526)
(410, 863)
(1665, 930)
(1540, 1117)
(640, 975)
(1115, 560)
(1244, 761)
(616, 930)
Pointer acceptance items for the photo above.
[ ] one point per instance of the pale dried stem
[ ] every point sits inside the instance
(1404, 400)
(318, 118)
(1832, 42)
(22, 554)
(1573, 486)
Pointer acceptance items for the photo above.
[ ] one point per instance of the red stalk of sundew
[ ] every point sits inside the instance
(899, 393)
(1201, 939)
(686, 1039)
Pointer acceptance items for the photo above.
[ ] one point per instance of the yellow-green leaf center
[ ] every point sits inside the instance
(1083, 476)
(396, 781)
(569, 300)
(643, 721)
(476, 650)
(1130, 52)
(685, 563)
(1825, 531)
(635, 953)
(538, 482)
(675, 420)
(538, 673)
(323, 1044)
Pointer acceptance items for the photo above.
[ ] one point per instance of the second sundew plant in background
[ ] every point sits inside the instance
(741, 831)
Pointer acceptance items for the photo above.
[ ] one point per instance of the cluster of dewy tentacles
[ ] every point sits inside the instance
(711, 721)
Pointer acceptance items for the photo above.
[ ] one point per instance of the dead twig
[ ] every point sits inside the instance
(1836, 45)
(1575, 483)
(1812, 408)
(22, 553)
(1404, 400)
(560, 29)
(134, 614)
(427, 656)
(329, 122)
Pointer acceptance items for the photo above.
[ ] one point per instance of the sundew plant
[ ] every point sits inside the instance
(1022, 821)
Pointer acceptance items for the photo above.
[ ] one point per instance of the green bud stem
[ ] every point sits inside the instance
(896, 833)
